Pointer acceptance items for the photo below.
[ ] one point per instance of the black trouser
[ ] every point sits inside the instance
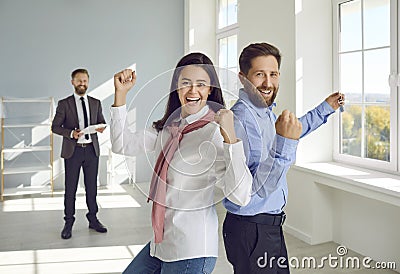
(253, 247)
(86, 158)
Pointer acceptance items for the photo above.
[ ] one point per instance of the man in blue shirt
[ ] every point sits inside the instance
(253, 236)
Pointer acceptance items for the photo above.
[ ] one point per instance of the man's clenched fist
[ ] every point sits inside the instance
(287, 125)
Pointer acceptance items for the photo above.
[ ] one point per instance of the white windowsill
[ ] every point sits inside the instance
(371, 184)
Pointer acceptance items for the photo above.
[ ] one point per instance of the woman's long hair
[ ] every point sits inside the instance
(173, 100)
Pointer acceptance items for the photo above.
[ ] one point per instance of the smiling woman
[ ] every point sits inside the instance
(193, 89)
(182, 77)
(203, 152)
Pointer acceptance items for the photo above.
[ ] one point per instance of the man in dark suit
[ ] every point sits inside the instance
(73, 114)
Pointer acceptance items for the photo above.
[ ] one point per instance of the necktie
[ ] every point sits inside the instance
(85, 116)
(158, 186)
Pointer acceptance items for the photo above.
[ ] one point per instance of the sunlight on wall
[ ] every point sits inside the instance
(191, 37)
(298, 6)
(9, 156)
(39, 133)
(40, 178)
(115, 163)
(106, 89)
(299, 87)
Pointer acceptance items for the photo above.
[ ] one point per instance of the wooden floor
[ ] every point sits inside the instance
(30, 236)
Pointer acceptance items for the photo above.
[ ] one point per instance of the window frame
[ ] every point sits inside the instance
(227, 27)
(222, 33)
(393, 165)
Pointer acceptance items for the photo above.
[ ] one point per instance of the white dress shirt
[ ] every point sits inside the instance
(81, 118)
(201, 162)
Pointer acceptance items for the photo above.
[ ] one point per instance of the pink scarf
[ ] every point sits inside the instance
(158, 186)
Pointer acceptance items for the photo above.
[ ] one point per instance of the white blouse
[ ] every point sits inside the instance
(201, 162)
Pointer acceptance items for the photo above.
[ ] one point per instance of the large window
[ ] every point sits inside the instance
(227, 29)
(227, 13)
(366, 71)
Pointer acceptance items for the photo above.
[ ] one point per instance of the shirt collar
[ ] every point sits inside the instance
(78, 97)
(261, 111)
(193, 117)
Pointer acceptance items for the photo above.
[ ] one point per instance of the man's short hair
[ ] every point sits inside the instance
(255, 50)
(79, 70)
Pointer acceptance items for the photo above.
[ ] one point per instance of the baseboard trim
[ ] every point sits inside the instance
(297, 233)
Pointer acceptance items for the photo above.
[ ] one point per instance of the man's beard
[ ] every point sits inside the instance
(257, 99)
(80, 89)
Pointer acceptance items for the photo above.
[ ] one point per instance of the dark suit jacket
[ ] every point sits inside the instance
(66, 120)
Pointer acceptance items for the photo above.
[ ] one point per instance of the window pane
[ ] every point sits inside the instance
(376, 73)
(232, 79)
(223, 14)
(351, 130)
(227, 13)
(351, 76)
(376, 23)
(232, 51)
(223, 78)
(377, 132)
(350, 26)
(232, 12)
(229, 85)
(223, 52)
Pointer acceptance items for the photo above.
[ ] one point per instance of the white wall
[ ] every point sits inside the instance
(43, 41)
(314, 73)
(200, 17)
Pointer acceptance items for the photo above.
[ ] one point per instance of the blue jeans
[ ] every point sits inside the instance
(143, 263)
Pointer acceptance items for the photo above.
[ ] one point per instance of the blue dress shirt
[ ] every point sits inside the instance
(268, 154)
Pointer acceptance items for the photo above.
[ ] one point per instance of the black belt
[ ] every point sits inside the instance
(84, 145)
(262, 218)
